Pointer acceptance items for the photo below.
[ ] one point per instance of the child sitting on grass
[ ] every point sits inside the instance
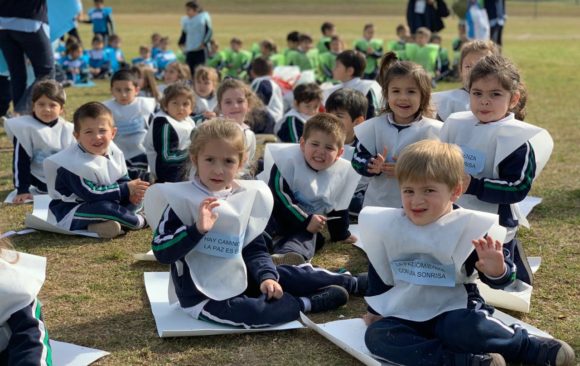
(88, 181)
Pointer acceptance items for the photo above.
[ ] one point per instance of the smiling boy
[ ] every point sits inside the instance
(88, 181)
(312, 187)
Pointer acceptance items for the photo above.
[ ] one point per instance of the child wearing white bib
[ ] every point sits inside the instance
(36, 137)
(132, 115)
(307, 99)
(312, 187)
(407, 91)
(23, 335)
(169, 135)
(205, 82)
(502, 154)
(88, 181)
(210, 230)
(424, 307)
(457, 100)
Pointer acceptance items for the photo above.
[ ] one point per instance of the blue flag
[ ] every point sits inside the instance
(61, 16)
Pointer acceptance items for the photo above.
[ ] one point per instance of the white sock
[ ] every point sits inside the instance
(141, 222)
(306, 303)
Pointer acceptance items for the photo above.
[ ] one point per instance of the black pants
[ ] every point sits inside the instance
(36, 47)
(194, 59)
(5, 95)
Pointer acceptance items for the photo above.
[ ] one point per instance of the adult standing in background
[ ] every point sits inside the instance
(426, 13)
(497, 15)
(24, 32)
(196, 34)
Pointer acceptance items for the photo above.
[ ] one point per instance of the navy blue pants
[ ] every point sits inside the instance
(36, 47)
(5, 95)
(137, 167)
(253, 310)
(195, 59)
(451, 338)
(303, 243)
(99, 211)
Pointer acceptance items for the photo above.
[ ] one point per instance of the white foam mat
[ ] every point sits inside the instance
(149, 256)
(349, 335)
(67, 354)
(38, 219)
(171, 321)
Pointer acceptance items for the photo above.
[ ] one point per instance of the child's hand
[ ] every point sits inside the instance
(490, 255)
(316, 224)
(389, 168)
(376, 164)
(137, 188)
(21, 198)
(465, 182)
(370, 318)
(207, 218)
(271, 289)
(209, 114)
(351, 239)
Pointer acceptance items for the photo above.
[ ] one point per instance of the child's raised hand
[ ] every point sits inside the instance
(376, 164)
(207, 217)
(22, 198)
(316, 224)
(389, 168)
(271, 289)
(370, 318)
(137, 188)
(490, 254)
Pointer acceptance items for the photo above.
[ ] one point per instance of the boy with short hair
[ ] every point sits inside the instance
(328, 30)
(144, 59)
(422, 52)
(303, 56)
(350, 106)
(398, 46)
(132, 114)
(237, 60)
(312, 186)
(88, 181)
(327, 60)
(115, 54)
(98, 61)
(164, 56)
(424, 307)
(307, 100)
(442, 69)
(349, 69)
(372, 48)
(102, 19)
(292, 40)
(267, 89)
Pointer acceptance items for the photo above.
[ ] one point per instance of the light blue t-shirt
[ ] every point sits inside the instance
(198, 30)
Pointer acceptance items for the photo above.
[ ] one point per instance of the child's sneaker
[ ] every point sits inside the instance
(107, 229)
(550, 351)
(329, 298)
(290, 258)
(362, 283)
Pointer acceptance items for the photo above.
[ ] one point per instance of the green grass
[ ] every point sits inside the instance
(94, 293)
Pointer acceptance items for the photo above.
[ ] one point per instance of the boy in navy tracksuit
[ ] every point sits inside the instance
(88, 182)
(307, 100)
(424, 307)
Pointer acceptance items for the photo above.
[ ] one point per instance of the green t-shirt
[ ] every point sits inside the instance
(372, 58)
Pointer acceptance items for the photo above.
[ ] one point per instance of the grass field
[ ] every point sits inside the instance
(94, 294)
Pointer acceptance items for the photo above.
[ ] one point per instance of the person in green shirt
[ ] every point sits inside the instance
(398, 46)
(372, 48)
(304, 56)
(328, 30)
(237, 60)
(327, 60)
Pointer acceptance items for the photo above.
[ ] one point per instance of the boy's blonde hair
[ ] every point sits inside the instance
(91, 110)
(203, 73)
(326, 123)
(431, 160)
(217, 129)
(175, 90)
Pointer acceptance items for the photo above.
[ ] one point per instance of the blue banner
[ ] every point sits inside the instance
(61, 16)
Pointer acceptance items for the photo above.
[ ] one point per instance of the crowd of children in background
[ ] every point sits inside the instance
(357, 133)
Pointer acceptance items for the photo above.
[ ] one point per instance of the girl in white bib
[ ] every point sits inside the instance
(457, 100)
(210, 230)
(23, 335)
(205, 82)
(407, 91)
(502, 154)
(37, 137)
(424, 307)
(169, 135)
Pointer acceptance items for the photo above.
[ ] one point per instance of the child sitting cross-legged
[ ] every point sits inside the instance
(233, 283)
(424, 306)
(88, 181)
(312, 187)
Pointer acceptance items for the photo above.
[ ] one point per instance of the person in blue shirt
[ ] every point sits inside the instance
(196, 34)
(101, 18)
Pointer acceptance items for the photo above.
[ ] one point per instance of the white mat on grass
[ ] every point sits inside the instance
(149, 256)
(39, 216)
(349, 335)
(173, 322)
(66, 354)
(14, 193)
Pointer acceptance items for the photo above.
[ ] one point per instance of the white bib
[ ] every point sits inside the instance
(450, 101)
(485, 146)
(39, 140)
(216, 264)
(20, 282)
(205, 104)
(363, 86)
(379, 132)
(291, 113)
(316, 192)
(276, 103)
(423, 263)
(96, 168)
(131, 122)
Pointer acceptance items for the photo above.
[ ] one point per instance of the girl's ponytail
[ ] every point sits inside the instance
(387, 61)
(520, 109)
